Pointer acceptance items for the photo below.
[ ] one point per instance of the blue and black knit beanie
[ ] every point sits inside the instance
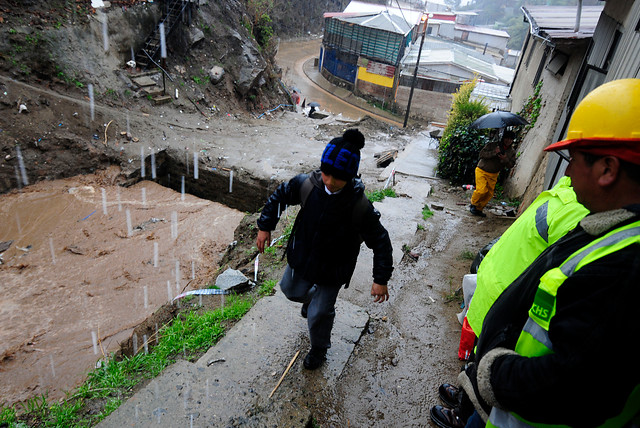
(341, 157)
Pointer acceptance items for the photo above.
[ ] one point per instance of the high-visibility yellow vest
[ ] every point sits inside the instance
(553, 213)
(534, 339)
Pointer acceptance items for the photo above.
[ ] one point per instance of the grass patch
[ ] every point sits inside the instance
(379, 195)
(467, 255)
(455, 294)
(426, 212)
(189, 336)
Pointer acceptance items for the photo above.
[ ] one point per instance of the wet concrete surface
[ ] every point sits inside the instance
(384, 368)
(237, 381)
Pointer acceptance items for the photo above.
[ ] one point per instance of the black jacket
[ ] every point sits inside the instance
(326, 236)
(594, 335)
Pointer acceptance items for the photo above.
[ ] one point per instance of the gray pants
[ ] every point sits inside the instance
(321, 300)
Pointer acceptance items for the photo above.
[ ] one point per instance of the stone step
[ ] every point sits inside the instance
(161, 99)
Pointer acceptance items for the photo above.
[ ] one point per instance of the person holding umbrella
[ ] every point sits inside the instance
(313, 106)
(494, 157)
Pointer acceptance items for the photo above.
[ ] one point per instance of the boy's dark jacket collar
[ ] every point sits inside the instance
(354, 185)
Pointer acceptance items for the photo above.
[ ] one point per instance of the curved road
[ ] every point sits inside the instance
(292, 55)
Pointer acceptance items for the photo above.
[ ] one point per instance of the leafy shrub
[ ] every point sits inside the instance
(458, 155)
(263, 31)
(460, 145)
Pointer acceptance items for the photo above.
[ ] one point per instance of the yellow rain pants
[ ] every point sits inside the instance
(485, 186)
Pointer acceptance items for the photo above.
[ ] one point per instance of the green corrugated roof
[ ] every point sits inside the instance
(380, 21)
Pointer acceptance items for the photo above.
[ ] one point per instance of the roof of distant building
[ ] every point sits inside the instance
(438, 52)
(482, 30)
(558, 22)
(380, 21)
(496, 96)
(411, 16)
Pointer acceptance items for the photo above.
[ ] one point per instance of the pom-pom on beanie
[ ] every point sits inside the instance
(341, 157)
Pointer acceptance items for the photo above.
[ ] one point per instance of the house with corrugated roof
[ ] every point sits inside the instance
(445, 65)
(362, 51)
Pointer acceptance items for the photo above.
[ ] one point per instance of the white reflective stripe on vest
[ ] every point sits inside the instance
(501, 418)
(538, 333)
(568, 268)
(570, 265)
(541, 221)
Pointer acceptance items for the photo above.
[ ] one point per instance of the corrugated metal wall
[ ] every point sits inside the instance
(626, 63)
(605, 31)
(375, 44)
(335, 64)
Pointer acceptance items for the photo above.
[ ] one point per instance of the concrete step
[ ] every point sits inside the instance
(161, 99)
(143, 81)
(231, 384)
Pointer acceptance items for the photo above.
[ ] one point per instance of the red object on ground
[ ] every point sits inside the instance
(467, 339)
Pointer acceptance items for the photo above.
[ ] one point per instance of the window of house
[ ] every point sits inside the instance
(543, 61)
(531, 49)
(612, 49)
(558, 63)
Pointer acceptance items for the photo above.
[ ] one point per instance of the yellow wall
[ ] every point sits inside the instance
(363, 74)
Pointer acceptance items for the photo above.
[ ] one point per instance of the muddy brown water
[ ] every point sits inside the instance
(75, 281)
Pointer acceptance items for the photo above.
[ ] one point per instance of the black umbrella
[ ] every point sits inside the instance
(498, 119)
(314, 104)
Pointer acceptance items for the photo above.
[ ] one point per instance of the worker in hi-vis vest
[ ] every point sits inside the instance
(555, 346)
(553, 213)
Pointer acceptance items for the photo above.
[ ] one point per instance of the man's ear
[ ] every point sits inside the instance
(608, 170)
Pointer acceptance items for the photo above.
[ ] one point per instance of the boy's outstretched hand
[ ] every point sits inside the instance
(380, 293)
(264, 236)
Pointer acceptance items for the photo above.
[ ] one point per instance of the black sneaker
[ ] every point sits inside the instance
(475, 211)
(315, 358)
(303, 311)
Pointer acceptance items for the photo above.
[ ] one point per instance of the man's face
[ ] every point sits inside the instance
(507, 142)
(332, 183)
(582, 179)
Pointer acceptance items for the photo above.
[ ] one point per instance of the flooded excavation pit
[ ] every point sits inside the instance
(89, 260)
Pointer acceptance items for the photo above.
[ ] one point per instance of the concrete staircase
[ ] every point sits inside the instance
(174, 12)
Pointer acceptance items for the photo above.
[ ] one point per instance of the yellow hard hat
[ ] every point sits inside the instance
(607, 121)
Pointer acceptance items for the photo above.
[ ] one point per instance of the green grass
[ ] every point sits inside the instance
(378, 195)
(188, 336)
(426, 212)
(467, 255)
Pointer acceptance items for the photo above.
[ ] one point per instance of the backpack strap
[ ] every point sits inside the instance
(359, 210)
(305, 190)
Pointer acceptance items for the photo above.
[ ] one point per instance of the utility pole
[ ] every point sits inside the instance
(425, 20)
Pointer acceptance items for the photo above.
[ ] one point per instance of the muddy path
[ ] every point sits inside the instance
(411, 345)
